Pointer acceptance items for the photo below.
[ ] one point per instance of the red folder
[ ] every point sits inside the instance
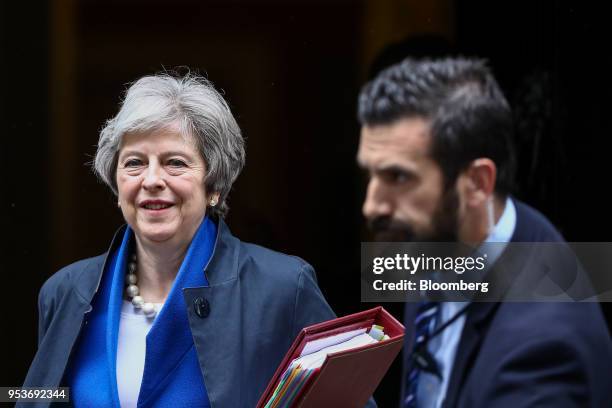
(347, 378)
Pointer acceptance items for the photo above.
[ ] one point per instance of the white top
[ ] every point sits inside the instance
(131, 350)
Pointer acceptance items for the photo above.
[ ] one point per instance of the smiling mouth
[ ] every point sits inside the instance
(156, 206)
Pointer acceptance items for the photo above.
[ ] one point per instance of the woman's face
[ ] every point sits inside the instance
(160, 180)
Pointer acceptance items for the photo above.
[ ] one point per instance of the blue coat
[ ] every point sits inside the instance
(258, 302)
(512, 355)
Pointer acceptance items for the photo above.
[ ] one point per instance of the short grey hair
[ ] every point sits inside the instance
(191, 101)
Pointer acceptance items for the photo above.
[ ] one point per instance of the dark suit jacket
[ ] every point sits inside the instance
(529, 354)
(259, 301)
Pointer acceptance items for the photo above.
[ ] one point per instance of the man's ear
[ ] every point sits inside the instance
(477, 182)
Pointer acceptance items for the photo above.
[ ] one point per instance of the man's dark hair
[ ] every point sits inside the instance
(468, 115)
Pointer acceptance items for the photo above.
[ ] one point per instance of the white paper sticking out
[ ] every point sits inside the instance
(316, 345)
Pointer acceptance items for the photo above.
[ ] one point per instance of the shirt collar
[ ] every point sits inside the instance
(504, 229)
(501, 233)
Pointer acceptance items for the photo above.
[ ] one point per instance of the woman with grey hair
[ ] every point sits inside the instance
(178, 312)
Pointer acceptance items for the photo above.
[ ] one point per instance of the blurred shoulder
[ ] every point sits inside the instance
(533, 226)
(579, 324)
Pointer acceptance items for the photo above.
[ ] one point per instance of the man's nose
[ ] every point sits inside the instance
(154, 179)
(376, 202)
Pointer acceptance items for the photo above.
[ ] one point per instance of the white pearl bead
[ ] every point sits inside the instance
(132, 290)
(149, 309)
(137, 301)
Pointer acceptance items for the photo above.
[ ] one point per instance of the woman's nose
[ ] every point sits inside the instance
(154, 179)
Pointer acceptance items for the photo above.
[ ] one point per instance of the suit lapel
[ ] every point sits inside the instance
(474, 331)
(478, 320)
(170, 338)
(115, 299)
(216, 320)
(480, 313)
(410, 312)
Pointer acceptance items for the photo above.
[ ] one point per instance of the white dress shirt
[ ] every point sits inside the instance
(131, 351)
(430, 390)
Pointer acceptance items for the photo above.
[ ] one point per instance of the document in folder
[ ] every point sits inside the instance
(338, 363)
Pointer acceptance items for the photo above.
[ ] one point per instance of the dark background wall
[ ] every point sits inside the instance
(291, 72)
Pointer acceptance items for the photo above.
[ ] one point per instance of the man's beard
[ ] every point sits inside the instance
(444, 224)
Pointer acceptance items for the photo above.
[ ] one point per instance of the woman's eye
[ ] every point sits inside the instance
(132, 163)
(176, 163)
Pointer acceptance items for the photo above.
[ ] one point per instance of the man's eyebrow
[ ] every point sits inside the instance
(394, 168)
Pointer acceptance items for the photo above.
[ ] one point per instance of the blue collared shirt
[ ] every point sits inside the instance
(431, 390)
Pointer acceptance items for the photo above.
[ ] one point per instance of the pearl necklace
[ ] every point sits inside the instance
(133, 292)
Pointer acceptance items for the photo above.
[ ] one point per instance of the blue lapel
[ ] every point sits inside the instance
(91, 374)
(114, 312)
(170, 338)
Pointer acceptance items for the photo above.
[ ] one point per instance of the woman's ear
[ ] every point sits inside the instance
(479, 182)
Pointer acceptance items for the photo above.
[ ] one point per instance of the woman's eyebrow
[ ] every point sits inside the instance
(163, 154)
(129, 152)
(176, 153)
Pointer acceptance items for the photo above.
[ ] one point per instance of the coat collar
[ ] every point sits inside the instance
(91, 277)
(222, 267)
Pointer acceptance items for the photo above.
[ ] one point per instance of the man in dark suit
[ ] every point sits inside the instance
(436, 141)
